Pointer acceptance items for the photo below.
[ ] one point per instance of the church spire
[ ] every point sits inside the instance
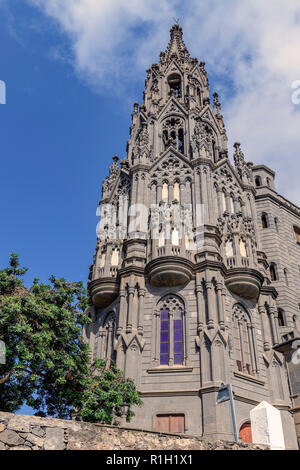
(176, 48)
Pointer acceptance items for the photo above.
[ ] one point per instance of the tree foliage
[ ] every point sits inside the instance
(47, 361)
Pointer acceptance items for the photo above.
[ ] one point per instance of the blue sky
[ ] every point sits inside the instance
(57, 140)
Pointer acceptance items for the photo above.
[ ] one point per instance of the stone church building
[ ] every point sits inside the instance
(196, 274)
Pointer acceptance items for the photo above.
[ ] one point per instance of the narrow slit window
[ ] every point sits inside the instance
(164, 337)
(297, 234)
(178, 337)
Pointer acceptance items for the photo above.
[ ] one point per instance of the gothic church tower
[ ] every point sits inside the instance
(181, 293)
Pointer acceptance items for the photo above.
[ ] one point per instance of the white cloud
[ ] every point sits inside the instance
(251, 48)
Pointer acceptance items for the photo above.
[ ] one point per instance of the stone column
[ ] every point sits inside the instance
(171, 193)
(250, 341)
(141, 294)
(220, 305)
(183, 194)
(210, 323)
(273, 325)
(130, 309)
(159, 193)
(122, 312)
(265, 329)
(219, 199)
(200, 306)
(153, 194)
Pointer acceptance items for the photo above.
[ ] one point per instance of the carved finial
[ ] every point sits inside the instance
(238, 156)
(135, 107)
(217, 103)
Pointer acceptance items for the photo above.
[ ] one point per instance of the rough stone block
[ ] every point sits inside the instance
(266, 426)
(54, 439)
(11, 438)
(18, 424)
(37, 431)
(37, 441)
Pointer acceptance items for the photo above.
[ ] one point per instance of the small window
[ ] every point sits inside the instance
(269, 182)
(175, 85)
(285, 272)
(297, 234)
(258, 181)
(243, 249)
(273, 272)
(176, 192)
(276, 222)
(115, 257)
(180, 141)
(165, 192)
(264, 220)
(281, 320)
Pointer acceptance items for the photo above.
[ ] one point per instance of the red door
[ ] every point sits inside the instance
(170, 423)
(245, 433)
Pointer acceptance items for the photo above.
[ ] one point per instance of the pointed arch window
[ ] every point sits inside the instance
(174, 82)
(229, 248)
(165, 192)
(175, 237)
(171, 332)
(258, 181)
(243, 249)
(244, 343)
(115, 256)
(102, 259)
(231, 203)
(176, 191)
(223, 201)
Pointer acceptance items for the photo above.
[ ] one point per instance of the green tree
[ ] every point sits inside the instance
(47, 361)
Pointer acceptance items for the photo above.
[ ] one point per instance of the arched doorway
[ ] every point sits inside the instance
(245, 433)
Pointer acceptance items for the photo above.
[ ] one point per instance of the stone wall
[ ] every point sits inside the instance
(19, 432)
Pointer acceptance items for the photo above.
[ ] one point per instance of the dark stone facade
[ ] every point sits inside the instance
(226, 270)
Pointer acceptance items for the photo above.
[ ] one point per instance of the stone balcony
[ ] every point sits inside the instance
(242, 278)
(104, 288)
(170, 266)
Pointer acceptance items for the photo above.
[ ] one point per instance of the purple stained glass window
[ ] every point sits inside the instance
(164, 337)
(178, 337)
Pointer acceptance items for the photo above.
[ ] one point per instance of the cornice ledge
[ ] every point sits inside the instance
(249, 378)
(169, 370)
